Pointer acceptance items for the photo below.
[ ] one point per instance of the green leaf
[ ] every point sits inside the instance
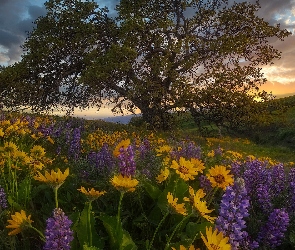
(119, 238)
(192, 229)
(115, 231)
(152, 190)
(82, 231)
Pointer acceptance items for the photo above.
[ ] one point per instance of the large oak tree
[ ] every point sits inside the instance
(154, 55)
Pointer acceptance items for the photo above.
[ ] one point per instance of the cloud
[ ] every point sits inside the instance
(16, 19)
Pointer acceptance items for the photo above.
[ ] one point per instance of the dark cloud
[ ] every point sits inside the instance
(16, 19)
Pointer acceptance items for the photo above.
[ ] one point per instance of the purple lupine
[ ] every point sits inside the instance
(258, 183)
(234, 208)
(75, 143)
(278, 179)
(103, 160)
(264, 197)
(126, 161)
(218, 151)
(272, 233)
(188, 150)
(58, 233)
(3, 199)
(205, 183)
(144, 148)
(236, 169)
(291, 192)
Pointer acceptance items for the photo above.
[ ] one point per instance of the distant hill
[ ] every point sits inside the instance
(119, 119)
(284, 95)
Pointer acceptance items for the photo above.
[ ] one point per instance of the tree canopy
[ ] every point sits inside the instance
(157, 56)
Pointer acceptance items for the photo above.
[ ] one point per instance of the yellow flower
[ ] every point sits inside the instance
(187, 169)
(122, 144)
(199, 205)
(215, 241)
(163, 175)
(211, 153)
(163, 149)
(179, 208)
(191, 247)
(50, 140)
(54, 179)
(219, 177)
(124, 183)
(19, 222)
(37, 152)
(91, 194)
(1, 132)
(10, 147)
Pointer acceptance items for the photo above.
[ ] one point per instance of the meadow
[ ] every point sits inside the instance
(69, 183)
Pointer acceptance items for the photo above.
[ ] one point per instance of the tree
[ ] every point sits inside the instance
(157, 56)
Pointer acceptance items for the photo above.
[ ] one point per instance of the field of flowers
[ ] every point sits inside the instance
(73, 184)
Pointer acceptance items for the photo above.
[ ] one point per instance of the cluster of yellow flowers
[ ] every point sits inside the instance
(21, 160)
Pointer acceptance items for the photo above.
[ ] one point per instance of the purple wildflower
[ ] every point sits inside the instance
(272, 233)
(126, 161)
(205, 183)
(233, 209)
(291, 191)
(58, 234)
(278, 179)
(3, 199)
(75, 145)
(188, 150)
(103, 160)
(218, 151)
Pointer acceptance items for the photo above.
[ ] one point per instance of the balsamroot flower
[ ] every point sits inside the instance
(178, 208)
(91, 194)
(199, 205)
(187, 170)
(54, 179)
(272, 233)
(163, 175)
(219, 177)
(3, 199)
(124, 183)
(58, 234)
(215, 240)
(18, 222)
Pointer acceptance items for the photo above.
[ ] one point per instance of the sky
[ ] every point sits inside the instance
(17, 17)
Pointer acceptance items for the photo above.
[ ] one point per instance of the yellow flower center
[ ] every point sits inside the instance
(219, 178)
(183, 169)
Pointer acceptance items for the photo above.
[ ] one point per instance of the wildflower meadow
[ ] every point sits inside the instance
(68, 183)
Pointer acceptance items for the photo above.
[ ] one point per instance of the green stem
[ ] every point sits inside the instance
(89, 224)
(119, 209)
(175, 229)
(40, 234)
(159, 225)
(55, 196)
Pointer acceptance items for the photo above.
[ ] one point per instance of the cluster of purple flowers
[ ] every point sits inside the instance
(75, 144)
(234, 208)
(103, 160)
(188, 150)
(58, 234)
(272, 233)
(271, 192)
(3, 199)
(127, 164)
